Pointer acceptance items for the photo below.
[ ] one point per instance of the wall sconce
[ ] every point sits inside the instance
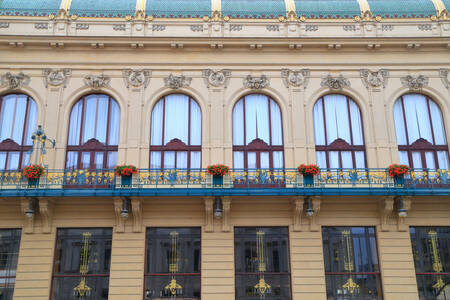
(218, 207)
(30, 211)
(309, 208)
(402, 212)
(124, 212)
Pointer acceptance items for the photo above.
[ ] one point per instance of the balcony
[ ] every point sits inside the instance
(239, 182)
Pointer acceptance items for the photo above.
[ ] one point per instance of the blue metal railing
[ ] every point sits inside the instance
(236, 178)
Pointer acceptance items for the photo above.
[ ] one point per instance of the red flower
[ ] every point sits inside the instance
(125, 170)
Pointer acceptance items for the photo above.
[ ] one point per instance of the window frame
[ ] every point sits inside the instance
(339, 145)
(9, 145)
(148, 274)
(288, 255)
(55, 256)
(421, 145)
(92, 145)
(17, 236)
(176, 145)
(258, 146)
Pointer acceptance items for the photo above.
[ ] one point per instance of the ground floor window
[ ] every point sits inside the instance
(351, 263)
(431, 250)
(262, 263)
(172, 267)
(82, 262)
(9, 253)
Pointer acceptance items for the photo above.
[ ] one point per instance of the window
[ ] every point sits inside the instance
(9, 253)
(176, 134)
(431, 251)
(420, 132)
(257, 133)
(82, 262)
(172, 267)
(93, 133)
(338, 133)
(18, 114)
(262, 263)
(351, 263)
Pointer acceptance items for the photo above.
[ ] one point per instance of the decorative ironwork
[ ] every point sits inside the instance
(437, 264)
(262, 287)
(82, 289)
(173, 288)
(351, 286)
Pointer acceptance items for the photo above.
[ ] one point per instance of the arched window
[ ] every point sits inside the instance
(93, 133)
(18, 115)
(257, 133)
(420, 132)
(338, 133)
(176, 134)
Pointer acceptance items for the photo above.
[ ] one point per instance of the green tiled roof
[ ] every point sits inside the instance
(178, 8)
(402, 8)
(241, 9)
(251, 9)
(102, 8)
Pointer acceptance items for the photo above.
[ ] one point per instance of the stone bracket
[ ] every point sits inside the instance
(46, 208)
(386, 206)
(209, 221)
(401, 224)
(313, 226)
(298, 213)
(28, 224)
(136, 208)
(226, 203)
(120, 221)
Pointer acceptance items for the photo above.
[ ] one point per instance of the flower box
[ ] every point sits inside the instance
(32, 173)
(126, 173)
(308, 172)
(218, 172)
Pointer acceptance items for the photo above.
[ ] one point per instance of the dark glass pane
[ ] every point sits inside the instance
(366, 287)
(155, 287)
(262, 253)
(9, 253)
(82, 254)
(63, 288)
(434, 287)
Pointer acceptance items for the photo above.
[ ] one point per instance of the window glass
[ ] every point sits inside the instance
(82, 264)
(431, 251)
(9, 253)
(173, 260)
(351, 263)
(262, 263)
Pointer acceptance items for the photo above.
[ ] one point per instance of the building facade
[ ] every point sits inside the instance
(263, 86)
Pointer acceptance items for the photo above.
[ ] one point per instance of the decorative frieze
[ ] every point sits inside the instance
(119, 27)
(349, 27)
(256, 83)
(82, 26)
(216, 78)
(41, 25)
(158, 27)
(14, 81)
(197, 28)
(445, 77)
(335, 83)
(4, 25)
(56, 77)
(177, 82)
(311, 27)
(235, 27)
(295, 78)
(386, 27)
(137, 78)
(415, 82)
(273, 27)
(374, 79)
(96, 81)
(424, 27)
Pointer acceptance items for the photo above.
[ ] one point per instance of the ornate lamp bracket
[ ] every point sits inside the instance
(46, 208)
(209, 225)
(386, 206)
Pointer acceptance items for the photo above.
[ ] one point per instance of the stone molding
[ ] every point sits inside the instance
(256, 83)
(137, 78)
(216, 78)
(335, 83)
(14, 81)
(295, 78)
(374, 79)
(415, 83)
(177, 82)
(56, 77)
(96, 81)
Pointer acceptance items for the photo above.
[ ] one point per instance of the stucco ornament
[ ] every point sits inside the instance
(137, 78)
(56, 77)
(374, 79)
(415, 82)
(96, 81)
(216, 78)
(295, 78)
(15, 81)
(256, 83)
(445, 77)
(176, 82)
(335, 83)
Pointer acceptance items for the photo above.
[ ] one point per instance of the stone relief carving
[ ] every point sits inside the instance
(445, 77)
(216, 78)
(15, 81)
(41, 25)
(137, 78)
(176, 82)
(256, 83)
(119, 27)
(4, 24)
(335, 83)
(374, 79)
(295, 78)
(415, 82)
(197, 28)
(236, 27)
(96, 81)
(273, 27)
(82, 26)
(158, 27)
(56, 77)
